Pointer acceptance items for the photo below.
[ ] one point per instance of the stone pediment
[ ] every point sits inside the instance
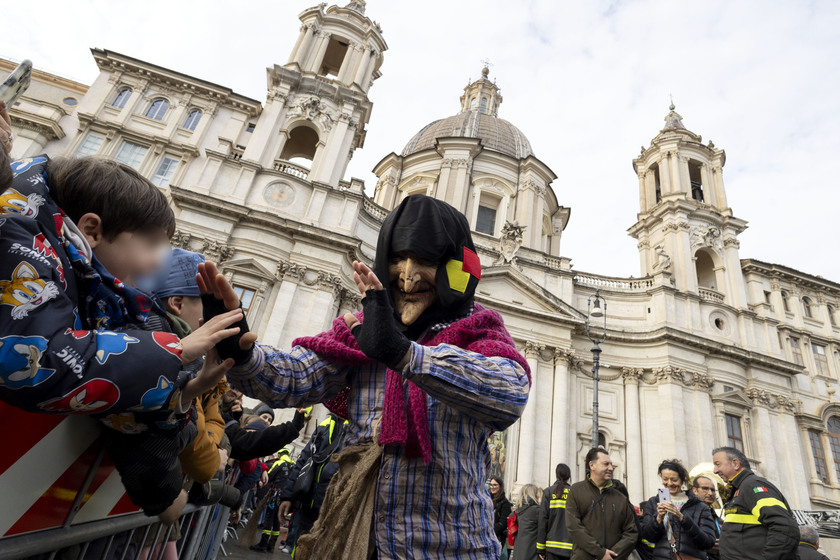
(249, 266)
(505, 287)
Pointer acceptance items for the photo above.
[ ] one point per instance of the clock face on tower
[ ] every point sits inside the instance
(279, 194)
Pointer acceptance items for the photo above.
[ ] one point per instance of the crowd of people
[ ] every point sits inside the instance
(159, 352)
(594, 518)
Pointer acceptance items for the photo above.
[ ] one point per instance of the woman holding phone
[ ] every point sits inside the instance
(675, 521)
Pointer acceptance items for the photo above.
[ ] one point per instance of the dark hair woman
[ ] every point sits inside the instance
(683, 523)
(501, 509)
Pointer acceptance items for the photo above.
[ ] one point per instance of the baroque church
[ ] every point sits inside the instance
(705, 348)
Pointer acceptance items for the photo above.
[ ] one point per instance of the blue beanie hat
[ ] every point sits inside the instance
(177, 275)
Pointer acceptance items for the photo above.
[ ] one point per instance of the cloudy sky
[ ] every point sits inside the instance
(588, 82)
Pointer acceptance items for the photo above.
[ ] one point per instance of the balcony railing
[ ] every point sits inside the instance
(290, 168)
(615, 284)
(709, 294)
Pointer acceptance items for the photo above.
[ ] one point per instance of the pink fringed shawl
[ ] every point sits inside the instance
(483, 332)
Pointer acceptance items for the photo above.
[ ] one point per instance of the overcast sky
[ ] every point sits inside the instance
(588, 82)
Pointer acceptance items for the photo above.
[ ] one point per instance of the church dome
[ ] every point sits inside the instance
(478, 119)
(495, 134)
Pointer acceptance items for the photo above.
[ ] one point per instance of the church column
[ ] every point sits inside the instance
(709, 192)
(560, 452)
(666, 185)
(528, 422)
(361, 70)
(674, 168)
(349, 64)
(644, 193)
(633, 423)
(302, 44)
(316, 55)
(717, 180)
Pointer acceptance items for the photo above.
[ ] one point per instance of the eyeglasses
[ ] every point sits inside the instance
(707, 488)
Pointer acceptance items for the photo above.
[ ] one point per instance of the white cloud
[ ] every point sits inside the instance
(587, 82)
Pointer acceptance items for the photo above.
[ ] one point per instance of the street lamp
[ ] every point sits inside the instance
(596, 308)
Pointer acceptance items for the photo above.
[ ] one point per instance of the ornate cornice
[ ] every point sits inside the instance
(773, 401)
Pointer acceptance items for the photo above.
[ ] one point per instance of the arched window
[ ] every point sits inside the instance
(694, 178)
(831, 319)
(122, 98)
(806, 308)
(192, 119)
(705, 266)
(483, 107)
(302, 143)
(157, 109)
(473, 103)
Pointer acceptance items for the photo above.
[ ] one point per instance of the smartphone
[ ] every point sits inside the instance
(664, 495)
(16, 83)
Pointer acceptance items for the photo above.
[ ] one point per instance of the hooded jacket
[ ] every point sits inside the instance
(67, 342)
(693, 536)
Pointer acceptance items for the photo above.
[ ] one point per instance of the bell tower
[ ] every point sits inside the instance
(317, 104)
(685, 227)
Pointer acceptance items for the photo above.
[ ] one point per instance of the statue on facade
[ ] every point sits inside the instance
(663, 259)
(510, 242)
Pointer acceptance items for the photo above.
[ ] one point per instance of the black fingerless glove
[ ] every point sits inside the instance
(229, 347)
(378, 337)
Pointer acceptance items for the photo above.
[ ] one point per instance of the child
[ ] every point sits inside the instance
(175, 288)
(74, 233)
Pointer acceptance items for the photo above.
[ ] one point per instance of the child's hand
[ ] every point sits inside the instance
(197, 343)
(206, 379)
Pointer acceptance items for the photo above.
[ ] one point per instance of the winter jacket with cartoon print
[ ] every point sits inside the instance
(69, 336)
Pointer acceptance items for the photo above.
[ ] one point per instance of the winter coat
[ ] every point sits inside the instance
(528, 517)
(553, 535)
(64, 347)
(324, 435)
(501, 511)
(758, 523)
(693, 536)
(247, 444)
(808, 551)
(598, 523)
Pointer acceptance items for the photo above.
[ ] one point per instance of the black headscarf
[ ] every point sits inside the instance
(439, 233)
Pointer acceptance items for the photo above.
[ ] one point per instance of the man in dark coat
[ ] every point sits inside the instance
(600, 519)
(758, 523)
(809, 544)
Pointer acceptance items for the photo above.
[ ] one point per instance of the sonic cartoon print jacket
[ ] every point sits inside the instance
(68, 337)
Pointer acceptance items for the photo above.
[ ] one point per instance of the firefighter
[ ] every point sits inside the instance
(277, 475)
(553, 540)
(758, 523)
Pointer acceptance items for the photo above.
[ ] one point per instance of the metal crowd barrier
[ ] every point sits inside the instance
(124, 538)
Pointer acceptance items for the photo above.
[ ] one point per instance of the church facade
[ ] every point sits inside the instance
(705, 348)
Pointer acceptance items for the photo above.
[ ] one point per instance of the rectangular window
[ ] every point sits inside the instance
(734, 435)
(820, 358)
(165, 171)
(251, 127)
(90, 145)
(131, 154)
(246, 297)
(819, 455)
(795, 351)
(486, 220)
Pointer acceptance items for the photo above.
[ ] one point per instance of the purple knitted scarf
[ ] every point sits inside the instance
(483, 332)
